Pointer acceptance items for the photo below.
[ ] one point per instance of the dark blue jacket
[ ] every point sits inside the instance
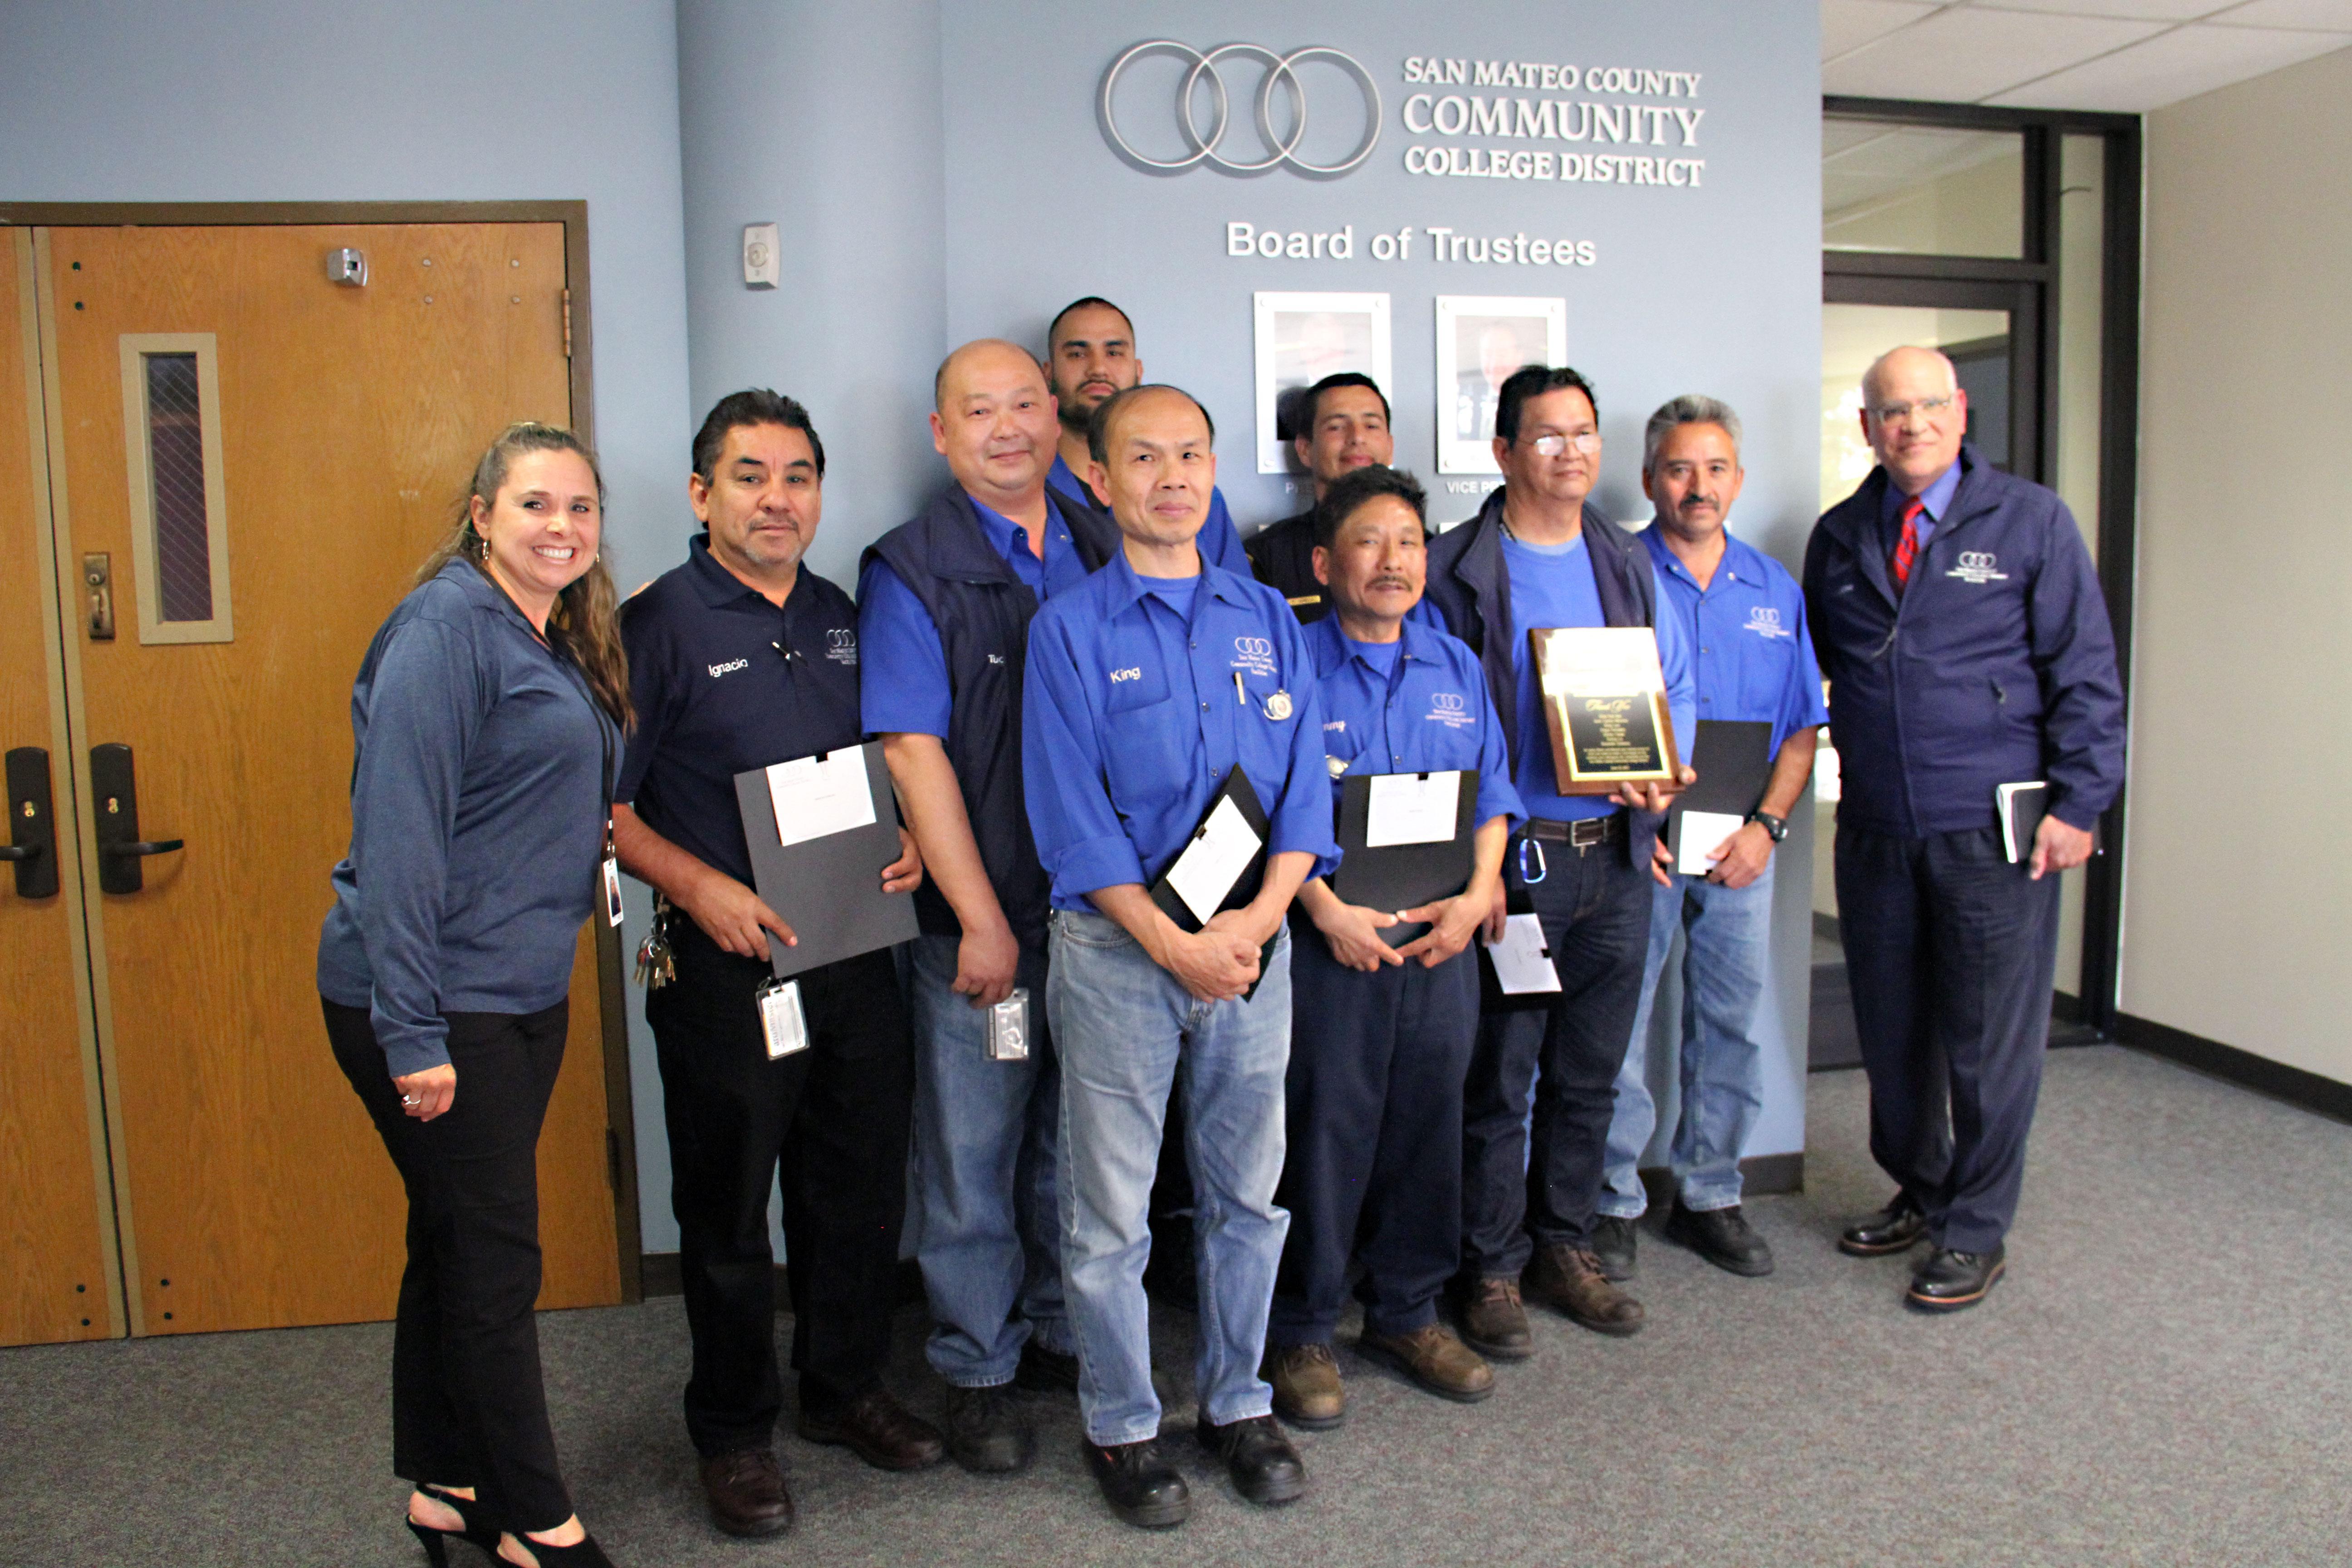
(1471, 587)
(1996, 665)
(480, 772)
(982, 612)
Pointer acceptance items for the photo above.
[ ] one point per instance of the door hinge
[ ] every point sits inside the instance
(567, 323)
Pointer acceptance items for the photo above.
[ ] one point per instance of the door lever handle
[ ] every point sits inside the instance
(33, 833)
(18, 851)
(114, 785)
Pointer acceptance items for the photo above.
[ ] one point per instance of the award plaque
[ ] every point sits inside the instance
(1605, 705)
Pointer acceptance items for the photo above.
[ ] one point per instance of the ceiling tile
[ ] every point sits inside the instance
(1964, 53)
(2179, 64)
(2319, 15)
(1847, 25)
(2129, 10)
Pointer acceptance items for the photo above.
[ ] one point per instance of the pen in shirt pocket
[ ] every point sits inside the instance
(1240, 695)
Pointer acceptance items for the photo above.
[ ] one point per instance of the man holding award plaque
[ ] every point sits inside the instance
(1959, 620)
(1171, 749)
(1591, 686)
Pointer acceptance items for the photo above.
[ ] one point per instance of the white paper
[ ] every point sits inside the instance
(1411, 808)
(1703, 832)
(1602, 661)
(1522, 967)
(781, 1020)
(815, 797)
(1209, 867)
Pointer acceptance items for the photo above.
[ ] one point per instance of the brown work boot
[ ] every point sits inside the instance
(1494, 1321)
(1308, 1393)
(1569, 1278)
(1433, 1358)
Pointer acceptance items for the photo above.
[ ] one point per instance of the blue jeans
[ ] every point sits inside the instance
(1727, 934)
(986, 1141)
(1125, 1029)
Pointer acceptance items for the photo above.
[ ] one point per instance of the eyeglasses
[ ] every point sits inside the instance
(1553, 446)
(1926, 408)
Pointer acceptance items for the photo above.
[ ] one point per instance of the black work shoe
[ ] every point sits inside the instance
(1046, 1371)
(1141, 1487)
(1264, 1467)
(1614, 1239)
(986, 1432)
(1723, 1237)
(1950, 1282)
(746, 1492)
(1897, 1227)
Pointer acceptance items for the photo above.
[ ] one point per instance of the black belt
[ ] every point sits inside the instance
(1581, 834)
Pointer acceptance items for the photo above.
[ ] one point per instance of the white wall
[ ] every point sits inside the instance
(2239, 876)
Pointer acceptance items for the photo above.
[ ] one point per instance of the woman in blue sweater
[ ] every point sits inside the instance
(487, 721)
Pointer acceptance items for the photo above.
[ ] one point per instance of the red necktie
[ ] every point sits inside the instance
(1907, 548)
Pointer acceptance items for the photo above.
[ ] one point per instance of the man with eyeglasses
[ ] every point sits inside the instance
(1958, 617)
(1540, 554)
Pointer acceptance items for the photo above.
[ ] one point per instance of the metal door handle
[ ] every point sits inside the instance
(30, 827)
(114, 785)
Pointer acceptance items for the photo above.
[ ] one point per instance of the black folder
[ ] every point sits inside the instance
(1244, 794)
(1492, 997)
(828, 890)
(1399, 877)
(2022, 807)
(1733, 759)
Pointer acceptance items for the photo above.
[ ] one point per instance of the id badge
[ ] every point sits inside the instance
(780, 1019)
(611, 891)
(1008, 1027)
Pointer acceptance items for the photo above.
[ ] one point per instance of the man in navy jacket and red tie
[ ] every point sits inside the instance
(1959, 620)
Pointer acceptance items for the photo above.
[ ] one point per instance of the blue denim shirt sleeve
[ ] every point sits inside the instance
(903, 665)
(1497, 797)
(1220, 542)
(1080, 840)
(1675, 663)
(425, 708)
(1301, 819)
(1801, 707)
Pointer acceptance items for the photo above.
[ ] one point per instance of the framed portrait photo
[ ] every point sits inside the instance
(1481, 340)
(1301, 339)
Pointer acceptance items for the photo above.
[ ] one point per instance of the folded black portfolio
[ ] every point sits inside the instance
(1246, 886)
(828, 888)
(2022, 807)
(1399, 877)
(1733, 759)
(1492, 997)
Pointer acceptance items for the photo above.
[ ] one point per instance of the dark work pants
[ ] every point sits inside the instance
(1950, 951)
(1373, 1167)
(468, 1406)
(835, 1117)
(1527, 1183)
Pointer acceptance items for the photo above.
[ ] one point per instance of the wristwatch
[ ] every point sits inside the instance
(1778, 827)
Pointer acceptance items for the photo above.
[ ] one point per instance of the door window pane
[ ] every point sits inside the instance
(1922, 189)
(175, 459)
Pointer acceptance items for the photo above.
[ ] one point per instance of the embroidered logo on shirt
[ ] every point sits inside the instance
(728, 667)
(1977, 566)
(1254, 655)
(1133, 672)
(1764, 620)
(1451, 710)
(841, 646)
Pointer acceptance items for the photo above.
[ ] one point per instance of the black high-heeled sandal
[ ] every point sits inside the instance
(582, 1553)
(474, 1526)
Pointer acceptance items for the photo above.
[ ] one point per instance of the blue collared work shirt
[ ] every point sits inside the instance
(905, 686)
(1426, 711)
(1752, 653)
(1129, 720)
(1220, 542)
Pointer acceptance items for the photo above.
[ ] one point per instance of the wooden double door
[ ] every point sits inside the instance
(222, 458)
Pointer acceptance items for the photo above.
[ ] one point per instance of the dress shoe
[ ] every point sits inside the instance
(1264, 1467)
(1495, 1322)
(1043, 1371)
(1614, 1242)
(1433, 1358)
(1723, 1237)
(1950, 1282)
(1897, 1227)
(746, 1492)
(1306, 1389)
(1141, 1487)
(1569, 1278)
(986, 1432)
(879, 1430)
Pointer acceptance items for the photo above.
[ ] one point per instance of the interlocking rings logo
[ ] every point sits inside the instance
(1978, 560)
(1977, 566)
(1446, 701)
(1281, 73)
(840, 639)
(1253, 647)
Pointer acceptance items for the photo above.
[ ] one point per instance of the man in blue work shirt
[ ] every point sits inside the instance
(1381, 1025)
(1090, 358)
(1742, 614)
(1146, 685)
(1540, 554)
(944, 605)
(1958, 619)
(738, 659)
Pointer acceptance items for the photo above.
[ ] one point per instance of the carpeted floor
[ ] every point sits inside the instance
(2164, 1377)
